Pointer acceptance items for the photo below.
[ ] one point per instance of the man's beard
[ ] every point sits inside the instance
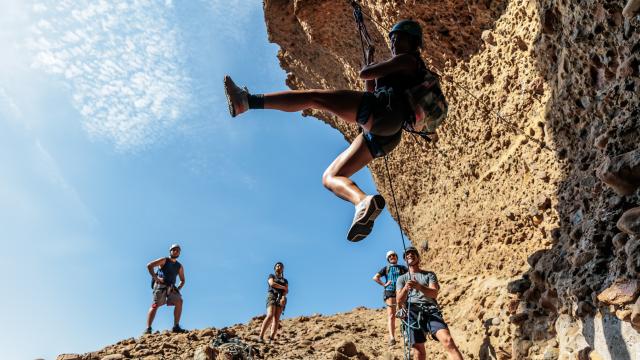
(174, 256)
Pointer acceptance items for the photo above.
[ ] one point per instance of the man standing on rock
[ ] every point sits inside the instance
(391, 272)
(418, 290)
(164, 286)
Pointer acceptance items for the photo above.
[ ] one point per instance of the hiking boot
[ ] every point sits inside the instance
(178, 329)
(147, 331)
(366, 212)
(237, 98)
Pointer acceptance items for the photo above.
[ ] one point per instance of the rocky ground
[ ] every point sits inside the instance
(359, 334)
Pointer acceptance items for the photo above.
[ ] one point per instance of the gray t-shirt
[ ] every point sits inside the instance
(423, 277)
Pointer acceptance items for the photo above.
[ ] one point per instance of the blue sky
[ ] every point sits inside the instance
(115, 142)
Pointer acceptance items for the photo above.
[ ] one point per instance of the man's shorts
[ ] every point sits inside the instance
(162, 295)
(430, 322)
(388, 295)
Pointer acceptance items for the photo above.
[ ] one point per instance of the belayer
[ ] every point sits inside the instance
(381, 111)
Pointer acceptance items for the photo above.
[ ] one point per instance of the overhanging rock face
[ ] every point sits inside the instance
(494, 204)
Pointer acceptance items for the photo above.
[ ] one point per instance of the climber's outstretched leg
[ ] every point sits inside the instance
(344, 104)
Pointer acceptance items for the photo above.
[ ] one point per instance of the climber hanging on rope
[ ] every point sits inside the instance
(381, 111)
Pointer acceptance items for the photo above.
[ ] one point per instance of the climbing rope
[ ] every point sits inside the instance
(406, 337)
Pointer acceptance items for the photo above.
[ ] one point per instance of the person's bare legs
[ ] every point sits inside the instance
(342, 103)
(275, 325)
(444, 336)
(391, 317)
(151, 315)
(177, 312)
(337, 176)
(267, 320)
(419, 353)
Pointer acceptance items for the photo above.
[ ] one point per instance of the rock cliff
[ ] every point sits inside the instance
(532, 218)
(522, 212)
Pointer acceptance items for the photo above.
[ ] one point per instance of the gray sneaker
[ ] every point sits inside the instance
(237, 98)
(366, 213)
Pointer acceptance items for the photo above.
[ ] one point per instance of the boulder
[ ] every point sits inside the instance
(631, 8)
(347, 348)
(635, 314)
(204, 353)
(69, 357)
(113, 357)
(629, 222)
(620, 292)
(622, 173)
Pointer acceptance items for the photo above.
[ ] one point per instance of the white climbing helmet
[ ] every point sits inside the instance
(389, 253)
(174, 246)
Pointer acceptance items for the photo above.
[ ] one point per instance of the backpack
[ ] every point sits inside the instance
(428, 104)
(158, 274)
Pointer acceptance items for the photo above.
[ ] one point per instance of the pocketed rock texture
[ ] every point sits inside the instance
(522, 214)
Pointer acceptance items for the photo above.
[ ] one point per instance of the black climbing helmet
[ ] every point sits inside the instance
(410, 249)
(410, 28)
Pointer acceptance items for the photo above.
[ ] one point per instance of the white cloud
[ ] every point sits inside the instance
(122, 62)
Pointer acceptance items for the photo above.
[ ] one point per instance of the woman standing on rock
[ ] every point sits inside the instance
(276, 301)
(380, 111)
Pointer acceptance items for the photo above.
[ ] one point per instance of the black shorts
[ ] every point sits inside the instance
(426, 321)
(388, 295)
(388, 112)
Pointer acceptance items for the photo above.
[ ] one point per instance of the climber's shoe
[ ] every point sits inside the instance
(237, 98)
(147, 331)
(392, 342)
(366, 212)
(178, 329)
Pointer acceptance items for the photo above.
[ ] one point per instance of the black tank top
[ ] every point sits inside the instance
(399, 81)
(170, 271)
